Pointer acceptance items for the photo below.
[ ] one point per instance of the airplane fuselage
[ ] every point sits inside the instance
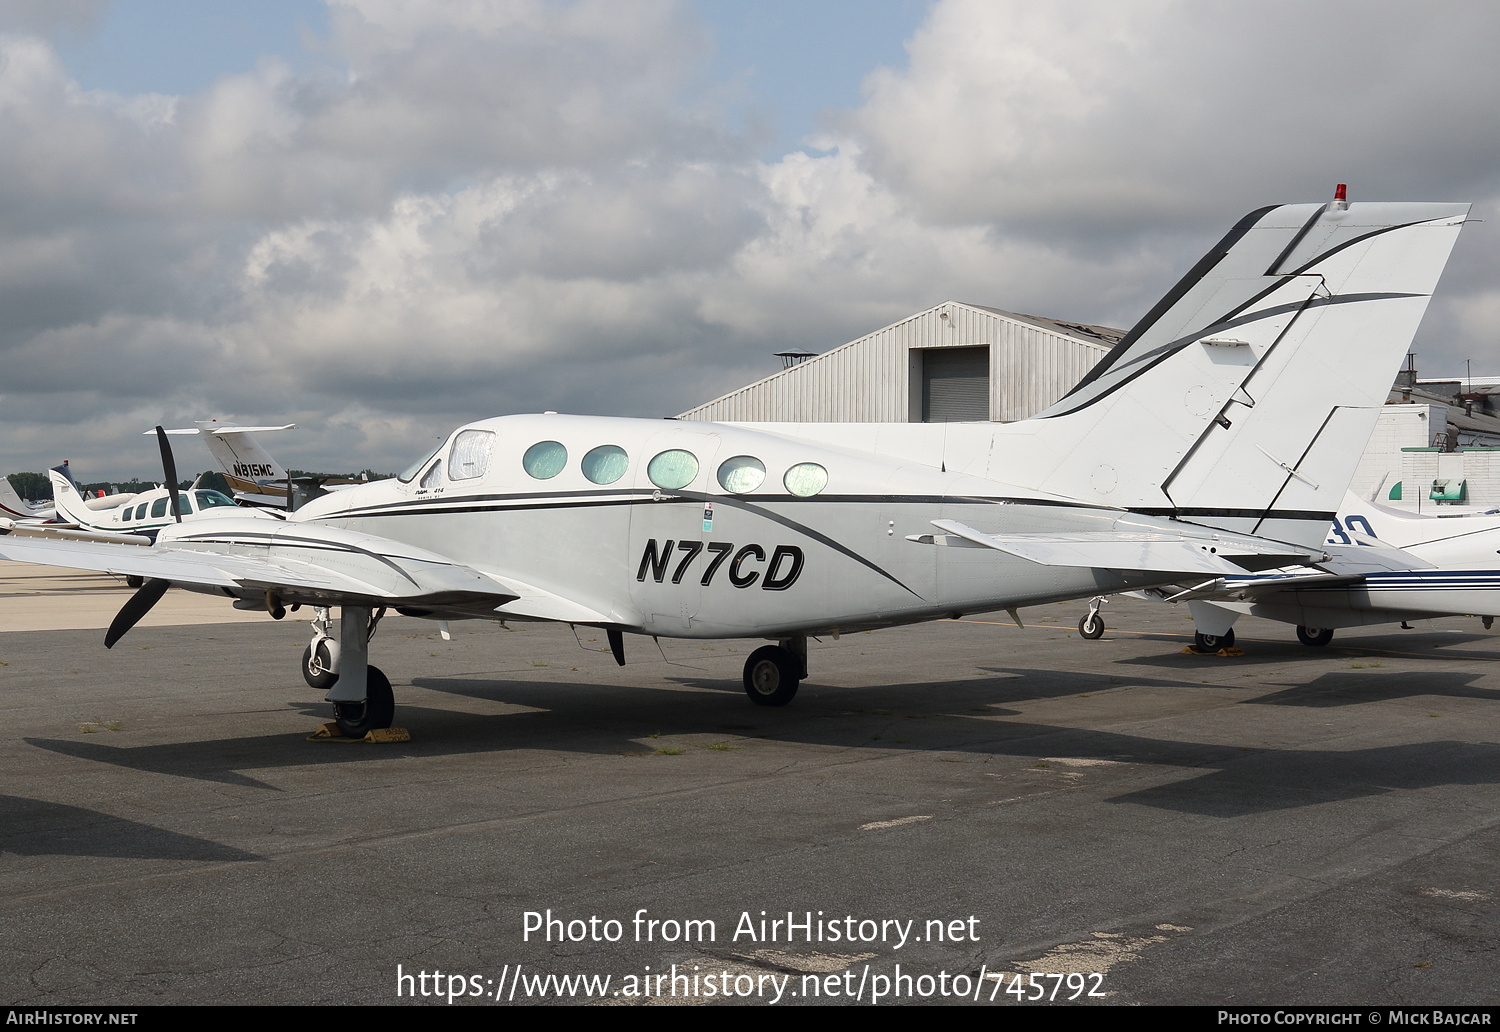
(714, 530)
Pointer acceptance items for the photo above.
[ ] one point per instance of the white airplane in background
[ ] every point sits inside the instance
(140, 516)
(1387, 566)
(1216, 439)
(14, 507)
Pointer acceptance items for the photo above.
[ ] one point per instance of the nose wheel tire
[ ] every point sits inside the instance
(1213, 642)
(1314, 636)
(317, 666)
(375, 713)
(772, 674)
(1091, 626)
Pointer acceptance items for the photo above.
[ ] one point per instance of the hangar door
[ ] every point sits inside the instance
(955, 384)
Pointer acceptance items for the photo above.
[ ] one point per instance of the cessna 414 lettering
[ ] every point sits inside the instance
(1217, 438)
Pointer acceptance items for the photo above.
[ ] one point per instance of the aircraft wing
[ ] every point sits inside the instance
(295, 562)
(1149, 551)
(70, 531)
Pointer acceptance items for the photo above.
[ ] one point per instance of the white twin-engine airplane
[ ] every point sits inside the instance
(1216, 439)
(137, 518)
(1387, 566)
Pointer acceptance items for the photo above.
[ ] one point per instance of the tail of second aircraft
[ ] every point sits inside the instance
(66, 497)
(1245, 397)
(13, 506)
(249, 468)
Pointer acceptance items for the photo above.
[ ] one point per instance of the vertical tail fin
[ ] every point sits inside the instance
(247, 466)
(65, 495)
(1244, 398)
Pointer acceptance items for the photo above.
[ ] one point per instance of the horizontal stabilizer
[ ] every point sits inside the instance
(1144, 550)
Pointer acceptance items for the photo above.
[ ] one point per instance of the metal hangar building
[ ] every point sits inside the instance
(953, 362)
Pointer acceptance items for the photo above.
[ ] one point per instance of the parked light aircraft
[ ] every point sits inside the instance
(1387, 566)
(1216, 439)
(141, 515)
(14, 507)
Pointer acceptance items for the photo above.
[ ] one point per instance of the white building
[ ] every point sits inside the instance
(953, 362)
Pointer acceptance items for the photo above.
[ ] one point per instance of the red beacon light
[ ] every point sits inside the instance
(1341, 197)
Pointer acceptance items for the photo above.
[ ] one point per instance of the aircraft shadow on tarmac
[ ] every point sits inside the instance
(1348, 688)
(941, 716)
(35, 827)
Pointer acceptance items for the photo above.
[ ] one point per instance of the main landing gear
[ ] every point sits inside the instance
(320, 660)
(1213, 642)
(361, 694)
(1315, 636)
(1091, 626)
(773, 672)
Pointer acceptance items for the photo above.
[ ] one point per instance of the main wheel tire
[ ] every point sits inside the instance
(376, 712)
(1316, 637)
(132, 581)
(1091, 626)
(317, 668)
(1213, 642)
(772, 674)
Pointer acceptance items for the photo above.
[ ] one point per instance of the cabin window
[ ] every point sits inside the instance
(140, 511)
(544, 460)
(605, 464)
(805, 479)
(471, 454)
(673, 469)
(433, 477)
(184, 507)
(741, 474)
(158, 508)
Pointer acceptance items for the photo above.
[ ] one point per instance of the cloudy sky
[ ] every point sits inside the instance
(382, 218)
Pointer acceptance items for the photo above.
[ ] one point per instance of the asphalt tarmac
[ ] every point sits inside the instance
(969, 801)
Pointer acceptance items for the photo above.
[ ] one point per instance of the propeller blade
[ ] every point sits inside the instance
(168, 467)
(616, 643)
(291, 495)
(139, 605)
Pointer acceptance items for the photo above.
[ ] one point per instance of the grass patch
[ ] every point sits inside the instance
(670, 750)
(720, 747)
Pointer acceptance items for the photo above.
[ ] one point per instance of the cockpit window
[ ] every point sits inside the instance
(471, 454)
(544, 460)
(673, 469)
(741, 474)
(605, 464)
(805, 479)
(158, 508)
(184, 505)
(212, 500)
(411, 471)
(433, 477)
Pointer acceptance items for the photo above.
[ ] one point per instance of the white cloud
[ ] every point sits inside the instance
(513, 206)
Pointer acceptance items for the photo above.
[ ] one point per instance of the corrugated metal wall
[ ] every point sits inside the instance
(869, 380)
